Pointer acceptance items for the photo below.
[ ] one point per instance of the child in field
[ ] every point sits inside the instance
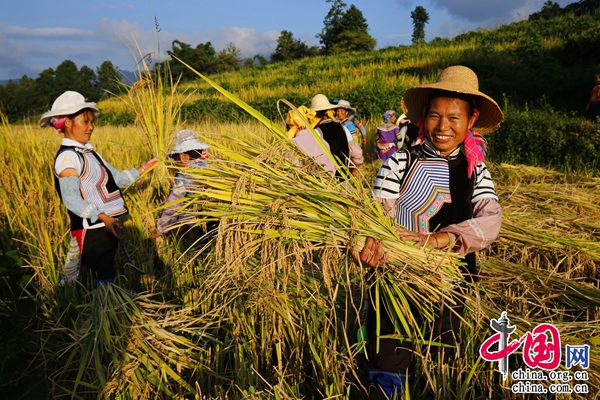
(188, 152)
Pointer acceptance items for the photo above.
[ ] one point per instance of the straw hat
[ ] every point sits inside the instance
(320, 102)
(66, 104)
(461, 80)
(186, 140)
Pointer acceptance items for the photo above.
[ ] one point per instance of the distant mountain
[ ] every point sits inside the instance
(5, 81)
(126, 76)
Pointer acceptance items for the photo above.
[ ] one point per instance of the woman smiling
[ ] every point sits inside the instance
(441, 195)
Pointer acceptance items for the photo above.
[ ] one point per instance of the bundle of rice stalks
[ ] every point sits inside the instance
(123, 345)
(282, 262)
(551, 222)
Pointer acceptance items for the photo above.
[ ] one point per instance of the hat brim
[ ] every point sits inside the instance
(47, 116)
(490, 114)
(348, 109)
(189, 146)
(329, 107)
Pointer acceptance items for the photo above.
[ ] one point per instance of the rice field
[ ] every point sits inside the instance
(268, 308)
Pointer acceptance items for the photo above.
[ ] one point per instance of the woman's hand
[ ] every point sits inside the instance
(147, 165)
(372, 254)
(111, 224)
(435, 240)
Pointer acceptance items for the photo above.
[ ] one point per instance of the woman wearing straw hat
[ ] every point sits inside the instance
(299, 134)
(88, 186)
(342, 145)
(441, 193)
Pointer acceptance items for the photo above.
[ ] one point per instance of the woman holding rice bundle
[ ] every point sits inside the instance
(298, 132)
(88, 186)
(442, 195)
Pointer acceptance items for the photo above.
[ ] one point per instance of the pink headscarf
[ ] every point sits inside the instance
(59, 122)
(474, 145)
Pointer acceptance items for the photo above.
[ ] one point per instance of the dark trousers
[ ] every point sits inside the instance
(398, 356)
(98, 250)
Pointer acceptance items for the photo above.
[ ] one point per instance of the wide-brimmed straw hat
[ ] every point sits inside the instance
(320, 102)
(457, 79)
(186, 140)
(67, 104)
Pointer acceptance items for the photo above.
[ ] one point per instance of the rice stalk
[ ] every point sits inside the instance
(117, 333)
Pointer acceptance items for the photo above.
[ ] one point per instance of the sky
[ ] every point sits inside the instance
(40, 34)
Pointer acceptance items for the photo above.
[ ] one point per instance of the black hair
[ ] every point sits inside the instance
(437, 93)
(194, 154)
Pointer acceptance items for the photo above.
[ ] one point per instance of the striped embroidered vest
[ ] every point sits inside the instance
(97, 186)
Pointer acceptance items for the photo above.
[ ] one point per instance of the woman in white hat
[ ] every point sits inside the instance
(342, 145)
(188, 152)
(356, 128)
(442, 195)
(88, 186)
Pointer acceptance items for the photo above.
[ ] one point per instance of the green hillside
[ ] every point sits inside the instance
(540, 72)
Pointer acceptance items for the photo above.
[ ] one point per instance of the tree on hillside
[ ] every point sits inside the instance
(203, 59)
(354, 35)
(27, 99)
(229, 58)
(45, 85)
(289, 48)
(260, 60)
(353, 41)
(88, 81)
(68, 77)
(345, 29)
(549, 10)
(108, 76)
(420, 18)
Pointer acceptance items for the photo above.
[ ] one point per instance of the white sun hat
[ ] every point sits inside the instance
(320, 102)
(346, 105)
(186, 140)
(67, 104)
